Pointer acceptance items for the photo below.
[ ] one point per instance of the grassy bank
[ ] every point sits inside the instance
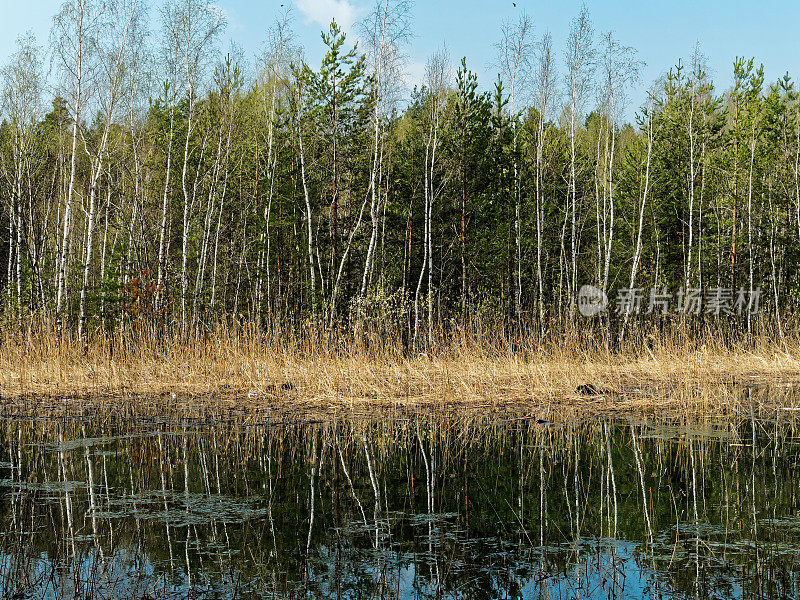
(244, 367)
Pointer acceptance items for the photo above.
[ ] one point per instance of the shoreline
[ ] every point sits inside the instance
(704, 382)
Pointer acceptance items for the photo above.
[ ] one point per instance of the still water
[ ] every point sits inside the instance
(412, 507)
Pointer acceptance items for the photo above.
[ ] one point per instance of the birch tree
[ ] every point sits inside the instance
(543, 86)
(386, 30)
(274, 92)
(647, 124)
(20, 103)
(116, 41)
(619, 69)
(436, 75)
(191, 28)
(71, 36)
(516, 49)
(579, 65)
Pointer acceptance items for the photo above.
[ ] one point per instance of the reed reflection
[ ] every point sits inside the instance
(399, 508)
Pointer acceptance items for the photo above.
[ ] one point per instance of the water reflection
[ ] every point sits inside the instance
(399, 508)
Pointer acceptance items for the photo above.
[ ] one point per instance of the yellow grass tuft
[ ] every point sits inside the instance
(242, 366)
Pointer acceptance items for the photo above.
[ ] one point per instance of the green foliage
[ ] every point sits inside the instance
(714, 174)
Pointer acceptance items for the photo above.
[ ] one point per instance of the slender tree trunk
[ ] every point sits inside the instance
(313, 291)
(62, 267)
(611, 208)
(376, 154)
(88, 259)
(425, 227)
(638, 250)
(162, 242)
(750, 222)
(690, 246)
(186, 216)
(114, 71)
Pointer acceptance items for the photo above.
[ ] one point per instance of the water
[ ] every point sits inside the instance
(420, 507)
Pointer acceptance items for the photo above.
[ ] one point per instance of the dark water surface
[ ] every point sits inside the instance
(399, 508)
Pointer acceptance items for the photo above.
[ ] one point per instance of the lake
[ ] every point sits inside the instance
(399, 506)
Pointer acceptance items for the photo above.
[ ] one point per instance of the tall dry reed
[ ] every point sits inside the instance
(477, 367)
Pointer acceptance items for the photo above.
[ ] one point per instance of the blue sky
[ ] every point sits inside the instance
(662, 32)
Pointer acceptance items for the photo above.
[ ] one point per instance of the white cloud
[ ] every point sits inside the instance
(322, 11)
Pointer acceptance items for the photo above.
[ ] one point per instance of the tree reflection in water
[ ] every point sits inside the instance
(399, 508)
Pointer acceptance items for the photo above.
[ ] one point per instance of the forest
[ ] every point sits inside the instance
(151, 178)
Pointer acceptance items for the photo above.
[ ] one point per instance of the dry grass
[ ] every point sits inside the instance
(469, 373)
